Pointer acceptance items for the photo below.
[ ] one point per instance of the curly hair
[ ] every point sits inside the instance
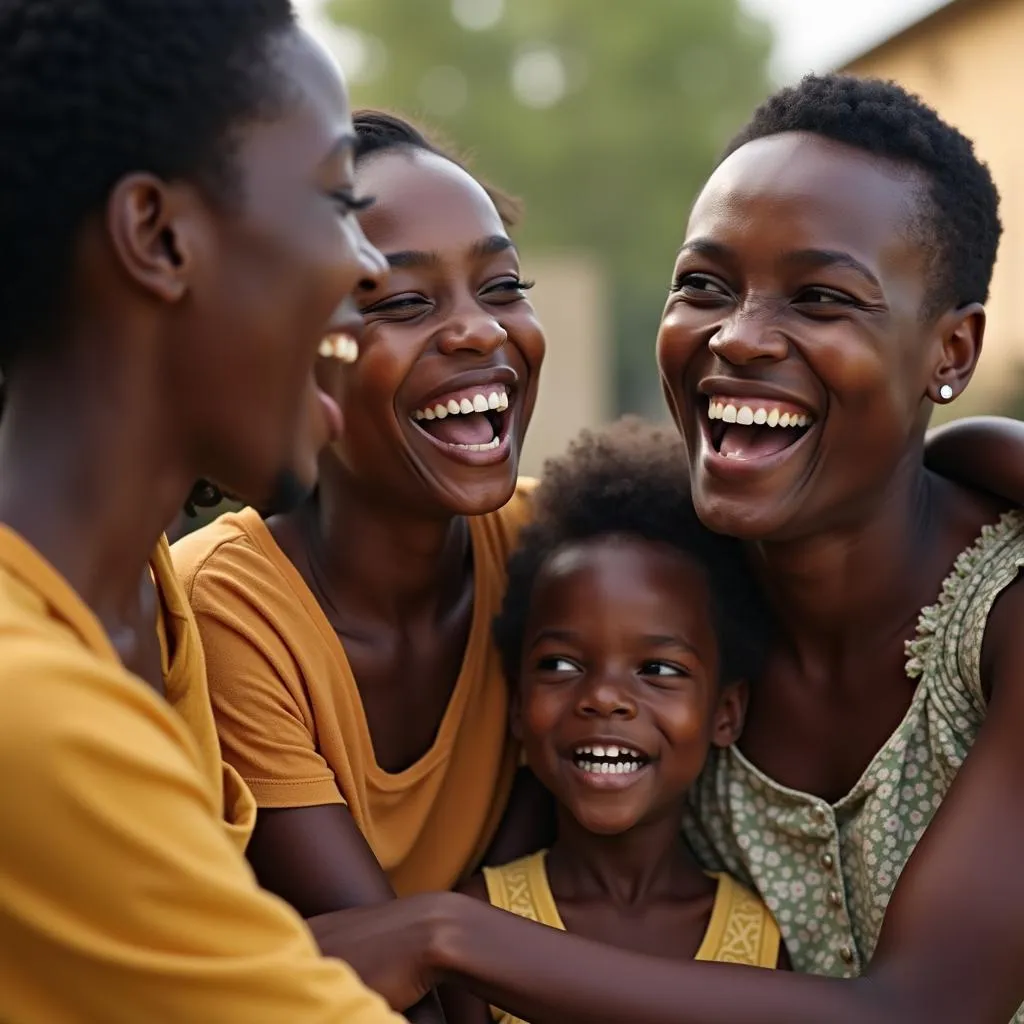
(960, 227)
(92, 90)
(631, 480)
(379, 132)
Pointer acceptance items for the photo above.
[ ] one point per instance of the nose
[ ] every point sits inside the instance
(475, 331)
(373, 267)
(748, 335)
(605, 696)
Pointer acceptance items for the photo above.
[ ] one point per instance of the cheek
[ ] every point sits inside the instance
(540, 711)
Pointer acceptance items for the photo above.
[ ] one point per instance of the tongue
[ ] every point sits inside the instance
(467, 428)
(754, 442)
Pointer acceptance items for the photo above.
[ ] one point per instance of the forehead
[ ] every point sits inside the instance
(424, 203)
(797, 191)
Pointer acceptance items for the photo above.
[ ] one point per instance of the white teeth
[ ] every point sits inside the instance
(493, 443)
(342, 347)
(479, 403)
(746, 415)
(466, 406)
(454, 408)
(440, 412)
(598, 751)
(493, 400)
(427, 414)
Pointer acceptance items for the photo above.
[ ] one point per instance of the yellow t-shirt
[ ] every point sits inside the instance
(291, 720)
(741, 929)
(123, 895)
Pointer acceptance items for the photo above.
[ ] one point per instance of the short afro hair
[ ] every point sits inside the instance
(631, 480)
(93, 90)
(962, 226)
(379, 132)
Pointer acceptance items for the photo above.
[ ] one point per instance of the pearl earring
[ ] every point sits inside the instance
(946, 392)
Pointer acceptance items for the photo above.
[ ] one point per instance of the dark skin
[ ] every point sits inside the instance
(196, 328)
(620, 647)
(385, 546)
(762, 307)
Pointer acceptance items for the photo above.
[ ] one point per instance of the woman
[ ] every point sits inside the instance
(348, 643)
(178, 239)
(828, 293)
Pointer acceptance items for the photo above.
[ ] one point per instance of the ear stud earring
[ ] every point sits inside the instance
(946, 392)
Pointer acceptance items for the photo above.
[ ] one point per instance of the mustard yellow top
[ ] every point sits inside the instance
(741, 929)
(291, 719)
(124, 896)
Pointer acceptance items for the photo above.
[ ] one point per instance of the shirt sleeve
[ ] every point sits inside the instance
(263, 718)
(122, 898)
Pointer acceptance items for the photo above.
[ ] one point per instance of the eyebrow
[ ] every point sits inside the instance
(815, 258)
(413, 258)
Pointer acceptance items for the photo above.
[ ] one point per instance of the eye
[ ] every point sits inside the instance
(347, 202)
(399, 307)
(700, 286)
(818, 296)
(663, 669)
(507, 289)
(554, 663)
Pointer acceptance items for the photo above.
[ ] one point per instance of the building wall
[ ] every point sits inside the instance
(966, 62)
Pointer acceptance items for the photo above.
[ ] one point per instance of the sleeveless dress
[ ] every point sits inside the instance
(741, 930)
(827, 871)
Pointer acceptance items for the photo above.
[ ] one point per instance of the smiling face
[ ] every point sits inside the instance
(618, 699)
(794, 349)
(438, 405)
(274, 277)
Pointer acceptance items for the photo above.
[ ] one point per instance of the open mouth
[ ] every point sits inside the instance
(472, 421)
(609, 760)
(749, 429)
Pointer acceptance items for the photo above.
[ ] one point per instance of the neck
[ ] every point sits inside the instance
(87, 480)
(841, 588)
(375, 557)
(647, 862)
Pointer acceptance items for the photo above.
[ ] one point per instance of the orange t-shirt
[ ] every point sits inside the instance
(291, 719)
(123, 896)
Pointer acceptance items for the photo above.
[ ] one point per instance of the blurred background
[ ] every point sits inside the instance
(606, 117)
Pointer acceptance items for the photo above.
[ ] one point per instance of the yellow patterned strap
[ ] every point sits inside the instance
(522, 888)
(741, 930)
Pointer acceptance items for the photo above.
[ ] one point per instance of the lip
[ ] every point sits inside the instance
(609, 782)
(470, 379)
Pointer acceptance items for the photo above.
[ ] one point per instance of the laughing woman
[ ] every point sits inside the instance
(352, 673)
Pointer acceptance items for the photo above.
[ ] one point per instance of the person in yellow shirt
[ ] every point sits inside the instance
(352, 672)
(175, 209)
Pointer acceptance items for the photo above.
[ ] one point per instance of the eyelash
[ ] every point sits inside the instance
(353, 203)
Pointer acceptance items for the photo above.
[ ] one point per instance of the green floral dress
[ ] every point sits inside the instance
(826, 871)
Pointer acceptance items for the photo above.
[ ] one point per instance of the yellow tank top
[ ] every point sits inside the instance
(741, 930)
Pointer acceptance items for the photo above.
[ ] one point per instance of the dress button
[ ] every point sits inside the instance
(836, 899)
(819, 813)
(827, 861)
(847, 954)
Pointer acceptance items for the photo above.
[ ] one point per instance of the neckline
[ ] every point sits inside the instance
(925, 631)
(259, 533)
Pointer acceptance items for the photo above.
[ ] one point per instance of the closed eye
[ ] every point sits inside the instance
(693, 285)
(824, 296)
(506, 290)
(402, 306)
(348, 202)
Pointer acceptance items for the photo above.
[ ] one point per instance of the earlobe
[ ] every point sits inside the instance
(148, 226)
(730, 714)
(963, 333)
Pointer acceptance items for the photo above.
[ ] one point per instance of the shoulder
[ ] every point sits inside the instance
(230, 543)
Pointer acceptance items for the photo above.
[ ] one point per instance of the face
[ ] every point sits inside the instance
(618, 700)
(438, 405)
(794, 350)
(273, 285)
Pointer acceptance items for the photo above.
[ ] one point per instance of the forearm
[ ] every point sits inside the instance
(549, 977)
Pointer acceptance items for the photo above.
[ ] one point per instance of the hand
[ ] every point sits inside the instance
(390, 945)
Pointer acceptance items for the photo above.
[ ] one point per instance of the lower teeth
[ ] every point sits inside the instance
(479, 447)
(608, 767)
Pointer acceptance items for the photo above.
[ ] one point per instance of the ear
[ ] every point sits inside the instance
(154, 229)
(729, 714)
(962, 332)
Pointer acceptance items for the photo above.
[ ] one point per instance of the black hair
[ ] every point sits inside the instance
(631, 480)
(92, 90)
(379, 132)
(961, 227)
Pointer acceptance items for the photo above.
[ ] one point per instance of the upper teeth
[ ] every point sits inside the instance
(339, 346)
(483, 401)
(609, 752)
(761, 415)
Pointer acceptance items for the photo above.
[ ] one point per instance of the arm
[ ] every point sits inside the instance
(460, 1006)
(528, 824)
(117, 875)
(951, 948)
(984, 452)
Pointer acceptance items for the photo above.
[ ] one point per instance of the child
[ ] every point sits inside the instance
(628, 633)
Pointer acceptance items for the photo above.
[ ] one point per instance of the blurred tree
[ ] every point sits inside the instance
(604, 116)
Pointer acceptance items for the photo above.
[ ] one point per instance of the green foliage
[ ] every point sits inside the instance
(653, 89)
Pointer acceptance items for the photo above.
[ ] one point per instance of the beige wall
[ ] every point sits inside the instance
(968, 63)
(571, 301)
